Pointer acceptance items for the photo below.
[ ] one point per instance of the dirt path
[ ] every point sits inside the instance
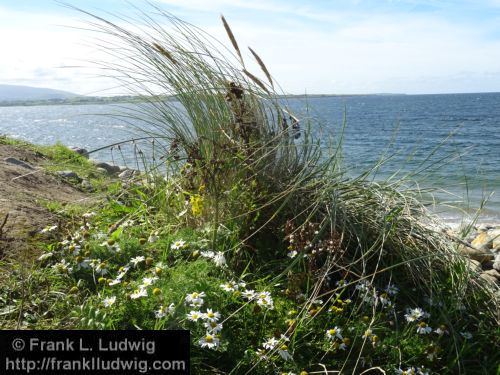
(23, 190)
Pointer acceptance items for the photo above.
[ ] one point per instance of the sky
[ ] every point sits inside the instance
(310, 47)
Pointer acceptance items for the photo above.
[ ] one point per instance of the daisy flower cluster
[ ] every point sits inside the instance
(263, 298)
(417, 315)
(369, 335)
(209, 318)
(141, 290)
(372, 296)
(273, 344)
(334, 335)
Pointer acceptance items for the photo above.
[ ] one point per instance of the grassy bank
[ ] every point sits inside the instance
(248, 234)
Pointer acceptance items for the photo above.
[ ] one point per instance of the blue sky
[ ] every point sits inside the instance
(336, 46)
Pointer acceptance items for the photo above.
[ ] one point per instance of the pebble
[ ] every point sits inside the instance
(18, 162)
(69, 174)
(128, 174)
(87, 185)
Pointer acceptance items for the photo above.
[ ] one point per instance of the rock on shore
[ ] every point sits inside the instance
(482, 248)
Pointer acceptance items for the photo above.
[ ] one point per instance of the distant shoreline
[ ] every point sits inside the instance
(84, 100)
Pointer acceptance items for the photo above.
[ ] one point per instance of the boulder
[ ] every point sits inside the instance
(489, 278)
(496, 263)
(18, 162)
(479, 255)
(495, 235)
(493, 273)
(483, 241)
(80, 151)
(110, 169)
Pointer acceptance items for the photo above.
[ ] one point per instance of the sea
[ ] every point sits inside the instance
(449, 143)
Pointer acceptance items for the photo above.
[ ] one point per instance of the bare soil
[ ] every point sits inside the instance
(24, 194)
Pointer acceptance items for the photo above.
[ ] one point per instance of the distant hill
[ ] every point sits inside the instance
(15, 93)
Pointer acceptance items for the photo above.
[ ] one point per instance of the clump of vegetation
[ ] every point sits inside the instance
(244, 232)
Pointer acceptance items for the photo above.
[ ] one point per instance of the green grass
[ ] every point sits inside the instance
(243, 207)
(60, 158)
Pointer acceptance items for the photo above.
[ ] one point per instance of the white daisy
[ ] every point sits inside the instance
(63, 266)
(219, 259)
(209, 341)
(270, 344)
(211, 316)
(147, 281)
(441, 330)
(265, 301)
(249, 294)
(135, 261)
(178, 244)
(423, 328)
(164, 311)
(413, 315)
(283, 352)
(115, 282)
(408, 371)
(230, 286)
(138, 293)
(101, 268)
(109, 301)
(194, 316)
(195, 297)
(213, 327)
(333, 333)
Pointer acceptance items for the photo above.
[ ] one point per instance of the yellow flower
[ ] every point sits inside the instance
(196, 204)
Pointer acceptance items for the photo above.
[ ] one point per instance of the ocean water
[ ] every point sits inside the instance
(447, 142)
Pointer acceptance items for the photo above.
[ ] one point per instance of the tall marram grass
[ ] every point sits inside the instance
(231, 141)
